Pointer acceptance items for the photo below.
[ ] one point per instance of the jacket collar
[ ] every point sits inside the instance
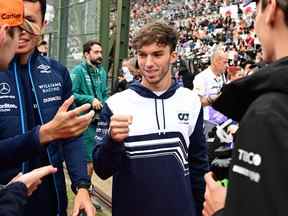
(145, 92)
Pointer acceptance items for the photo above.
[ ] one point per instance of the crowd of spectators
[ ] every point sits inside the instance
(202, 24)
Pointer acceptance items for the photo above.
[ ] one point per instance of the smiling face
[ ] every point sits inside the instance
(28, 42)
(154, 61)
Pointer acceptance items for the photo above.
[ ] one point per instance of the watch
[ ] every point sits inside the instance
(85, 185)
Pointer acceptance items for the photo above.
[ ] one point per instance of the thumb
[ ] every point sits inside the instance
(209, 179)
(130, 119)
(67, 103)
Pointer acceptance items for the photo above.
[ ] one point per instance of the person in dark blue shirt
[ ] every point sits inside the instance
(38, 125)
(150, 136)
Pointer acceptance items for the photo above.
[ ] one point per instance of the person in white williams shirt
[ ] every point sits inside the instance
(209, 82)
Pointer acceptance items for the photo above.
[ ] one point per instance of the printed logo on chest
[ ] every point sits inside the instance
(183, 117)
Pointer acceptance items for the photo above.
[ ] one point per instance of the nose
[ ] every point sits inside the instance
(149, 61)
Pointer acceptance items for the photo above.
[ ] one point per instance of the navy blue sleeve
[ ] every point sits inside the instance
(20, 148)
(198, 163)
(74, 149)
(107, 154)
(219, 212)
(13, 199)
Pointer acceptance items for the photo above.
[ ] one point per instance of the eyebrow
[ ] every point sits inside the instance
(158, 51)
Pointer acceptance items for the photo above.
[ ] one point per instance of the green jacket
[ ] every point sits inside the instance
(82, 86)
(83, 93)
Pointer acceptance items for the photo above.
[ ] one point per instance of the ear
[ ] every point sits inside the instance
(173, 57)
(45, 23)
(85, 55)
(271, 12)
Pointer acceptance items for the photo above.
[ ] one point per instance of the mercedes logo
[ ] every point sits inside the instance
(4, 88)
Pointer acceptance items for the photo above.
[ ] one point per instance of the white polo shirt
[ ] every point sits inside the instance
(207, 83)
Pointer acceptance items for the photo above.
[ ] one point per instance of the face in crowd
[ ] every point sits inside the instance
(271, 18)
(220, 63)
(94, 56)
(261, 28)
(27, 41)
(154, 61)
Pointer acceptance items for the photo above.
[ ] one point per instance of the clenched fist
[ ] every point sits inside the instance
(119, 127)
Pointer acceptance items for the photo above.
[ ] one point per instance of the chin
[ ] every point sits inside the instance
(23, 50)
(153, 81)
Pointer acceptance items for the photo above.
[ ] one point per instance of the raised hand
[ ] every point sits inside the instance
(83, 203)
(119, 127)
(33, 179)
(66, 123)
(215, 196)
(97, 105)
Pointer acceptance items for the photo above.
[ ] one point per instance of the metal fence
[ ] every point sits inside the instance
(70, 24)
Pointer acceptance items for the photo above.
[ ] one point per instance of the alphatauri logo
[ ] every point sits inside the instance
(249, 157)
(183, 116)
(4, 88)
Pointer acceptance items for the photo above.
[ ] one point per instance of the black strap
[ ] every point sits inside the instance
(92, 82)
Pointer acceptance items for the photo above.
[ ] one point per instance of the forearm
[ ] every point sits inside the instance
(208, 100)
(107, 157)
(13, 199)
(74, 156)
(81, 99)
(20, 148)
(198, 191)
(46, 135)
(198, 162)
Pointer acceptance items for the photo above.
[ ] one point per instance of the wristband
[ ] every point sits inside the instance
(83, 185)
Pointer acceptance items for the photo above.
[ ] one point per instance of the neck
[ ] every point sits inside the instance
(162, 85)
(24, 57)
(279, 31)
(281, 47)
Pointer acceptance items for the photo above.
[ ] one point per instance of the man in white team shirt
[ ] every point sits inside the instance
(209, 82)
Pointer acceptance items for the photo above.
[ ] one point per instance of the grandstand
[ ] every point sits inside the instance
(201, 25)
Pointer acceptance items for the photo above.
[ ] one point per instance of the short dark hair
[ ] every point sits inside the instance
(42, 6)
(156, 32)
(283, 4)
(87, 46)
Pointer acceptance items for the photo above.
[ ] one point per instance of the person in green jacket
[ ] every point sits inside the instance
(90, 86)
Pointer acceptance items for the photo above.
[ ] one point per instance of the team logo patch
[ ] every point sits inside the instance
(44, 68)
(5, 88)
(183, 117)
